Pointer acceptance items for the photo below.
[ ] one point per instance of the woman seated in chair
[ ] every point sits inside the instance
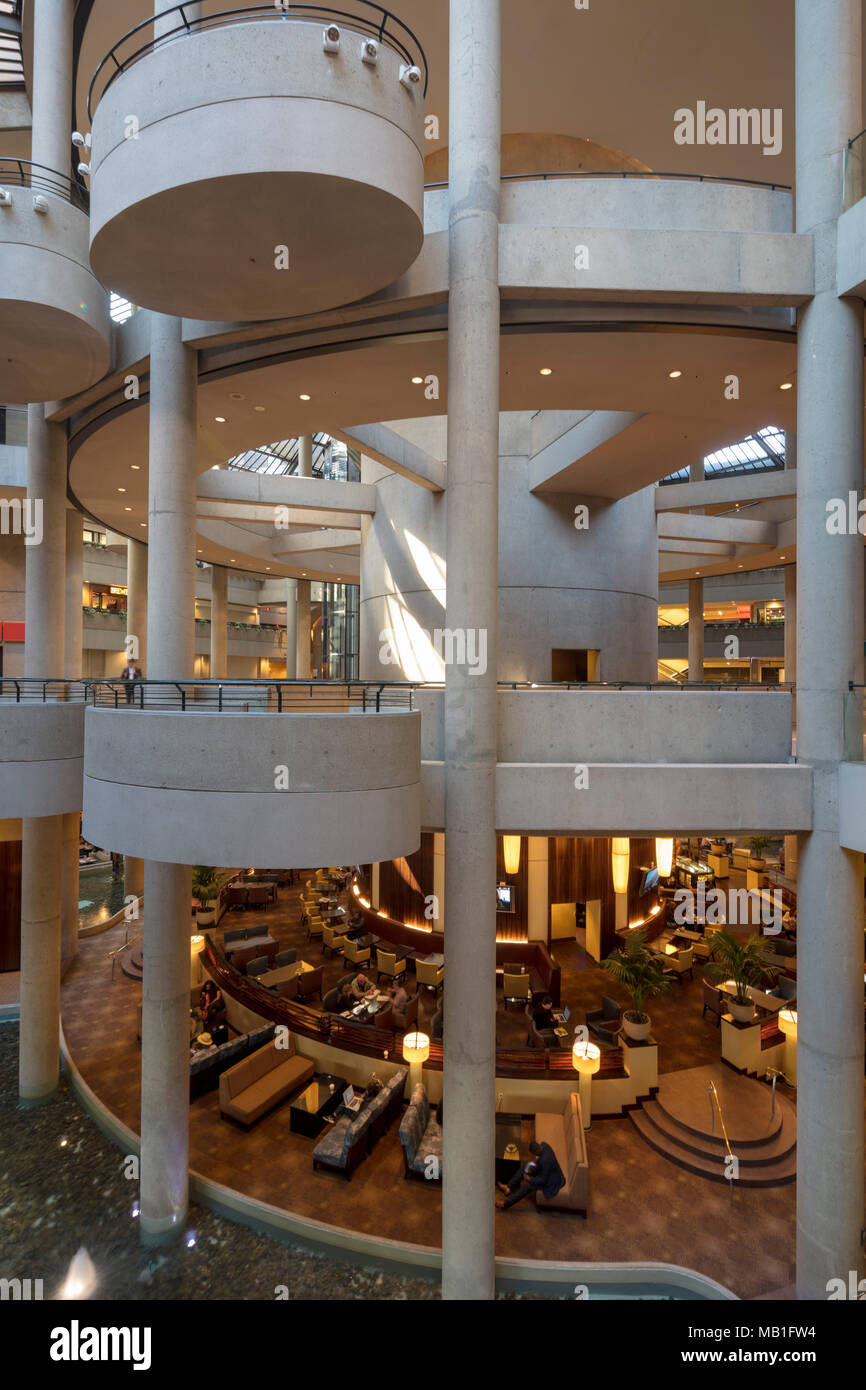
(210, 1005)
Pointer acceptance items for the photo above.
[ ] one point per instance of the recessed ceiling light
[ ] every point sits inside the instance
(417, 381)
(142, 523)
(697, 571)
(546, 371)
(673, 375)
(220, 419)
(267, 567)
(781, 557)
(121, 489)
(198, 552)
(260, 409)
(213, 466)
(786, 386)
(304, 397)
(234, 562)
(236, 396)
(127, 509)
(303, 574)
(136, 467)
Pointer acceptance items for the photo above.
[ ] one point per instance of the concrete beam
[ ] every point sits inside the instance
(394, 452)
(555, 467)
(726, 529)
(715, 492)
(238, 485)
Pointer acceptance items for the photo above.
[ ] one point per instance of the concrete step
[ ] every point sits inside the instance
(772, 1171)
(779, 1142)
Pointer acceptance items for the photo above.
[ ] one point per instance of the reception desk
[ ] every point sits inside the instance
(690, 872)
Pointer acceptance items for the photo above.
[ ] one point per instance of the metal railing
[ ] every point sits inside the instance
(629, 174)
(23, 173)
(35, 690)
(252, 696)
(642, 685)
(368, 19)
(732, 1161)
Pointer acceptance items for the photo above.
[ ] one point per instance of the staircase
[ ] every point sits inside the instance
(683, 1126)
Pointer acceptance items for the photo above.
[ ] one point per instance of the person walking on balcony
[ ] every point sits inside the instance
(130, 673)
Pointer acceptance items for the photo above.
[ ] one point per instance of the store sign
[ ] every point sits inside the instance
(117, 589)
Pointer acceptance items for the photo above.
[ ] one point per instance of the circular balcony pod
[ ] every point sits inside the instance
(55, 330)
(246, 171)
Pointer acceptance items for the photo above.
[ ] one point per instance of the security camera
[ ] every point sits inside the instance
(331, 39)
(5, 198)
(40, 204)
(370, 52)
(410, 77)
(84, 169)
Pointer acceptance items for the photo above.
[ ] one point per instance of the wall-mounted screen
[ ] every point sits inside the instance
(504, 897)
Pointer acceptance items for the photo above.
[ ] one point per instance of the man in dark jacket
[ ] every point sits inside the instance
(542, 1174)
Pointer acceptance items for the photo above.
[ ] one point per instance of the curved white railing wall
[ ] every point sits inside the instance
(226, 789)
(41, 759)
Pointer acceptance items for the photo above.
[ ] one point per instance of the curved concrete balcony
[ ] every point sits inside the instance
(234, 773)
(289, 177)
(55, 332)
(41, 747)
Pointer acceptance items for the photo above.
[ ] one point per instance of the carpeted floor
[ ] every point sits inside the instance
(642, 1206)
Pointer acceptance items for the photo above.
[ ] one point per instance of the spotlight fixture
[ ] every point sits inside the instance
(5, 198)
(409, 76)
(40, 204)
(673, 375)
(331, 39)
(81, 142)
(84, 170)
(370, 52)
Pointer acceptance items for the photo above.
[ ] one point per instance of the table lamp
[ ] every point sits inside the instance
(788, 1026)
(586, 1060)
(416, 1050)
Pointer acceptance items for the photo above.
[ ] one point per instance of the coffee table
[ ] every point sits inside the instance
(308, 1110)
(510, 1130)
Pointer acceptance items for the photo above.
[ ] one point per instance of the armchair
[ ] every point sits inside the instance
(310, 982)
(388, 964)
(681, 964)
(606, 1021)
(713, 1002)
(359, 955)
(429, 975)
(515, 988)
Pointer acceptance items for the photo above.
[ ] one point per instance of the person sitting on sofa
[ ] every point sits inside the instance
(210, 1005)
(542, 1174)
(360, 987)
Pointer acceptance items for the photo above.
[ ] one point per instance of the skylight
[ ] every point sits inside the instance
(120, 309)
(762, 452)
(11, 60)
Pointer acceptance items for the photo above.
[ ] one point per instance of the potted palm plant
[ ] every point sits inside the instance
(757, 845)
(741, 962)
(204, 888)
(643, 976)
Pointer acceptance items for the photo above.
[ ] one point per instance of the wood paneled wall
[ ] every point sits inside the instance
(10, 905)
(405, 883)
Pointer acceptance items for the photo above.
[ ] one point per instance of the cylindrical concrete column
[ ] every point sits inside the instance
(73, 664)
(291, 629)
(165, 1052)
(218, 623)
(171, 502)
(790, 450)
(173, 20)
(41, 878)
(170, 647)
(471, 611)
(696, 629)
(303, 631)
(70, 831)
(136, 603)
(829, 655)
(439, 881)
(45, 582)
(305, 456)
(52, 84)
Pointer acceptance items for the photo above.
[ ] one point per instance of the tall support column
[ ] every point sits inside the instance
(167, 887)
(291, 629)
(791, 623)
(136, 603)
(471, 610)
(69, 832)
(52, 84)
(73, 665)
(218, 623)
(696, 630)
(172, 19)
(829, 654)
(303, 631)
(305, 456)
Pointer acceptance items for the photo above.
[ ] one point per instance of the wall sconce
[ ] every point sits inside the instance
(619, 858)
(511, 853)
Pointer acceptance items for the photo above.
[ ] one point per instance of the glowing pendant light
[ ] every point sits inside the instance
(511, 853)
(619, 856)
(664, 857)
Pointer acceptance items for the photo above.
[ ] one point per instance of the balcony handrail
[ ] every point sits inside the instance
(249, 696)
(23, 173)
(629, 174)
(386, 28)
(713, 1094)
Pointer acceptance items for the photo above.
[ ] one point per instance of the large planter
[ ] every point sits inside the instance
(757, 864)
(205, 916)
(638, 1032)
(743, 1013)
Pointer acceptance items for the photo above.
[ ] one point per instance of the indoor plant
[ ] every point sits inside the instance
(643, 976)
(757, 845)
(204, 888)
(741, 962)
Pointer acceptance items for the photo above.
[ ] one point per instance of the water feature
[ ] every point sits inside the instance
(100, 895)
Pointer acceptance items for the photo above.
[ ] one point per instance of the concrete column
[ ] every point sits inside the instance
(439, 881)
(696, 629)
(136, 603)
(70, 831)
(45, 581)
(171, 21)
(165, 1052)
(171, 502)
(218, 623)
(471, 608)
(790, 450)
(305, 456)
(167, 887)
(538, 907)
(303, 630)
(73, 664)
(52, 84)
(791, 623)
(829, 654)
(39, 1046)
(291, 629)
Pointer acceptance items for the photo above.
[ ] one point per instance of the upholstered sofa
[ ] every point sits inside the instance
(345, 1143)
(208, 1065)
(256, 1084)
(421, 1137)
(565, 1134)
